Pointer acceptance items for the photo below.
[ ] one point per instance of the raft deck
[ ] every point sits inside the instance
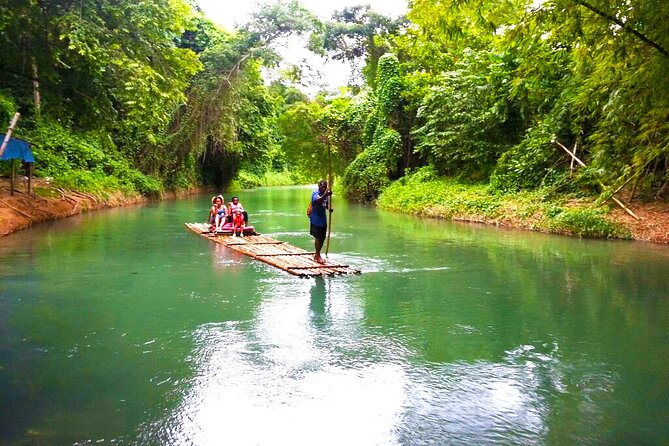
(280, 254)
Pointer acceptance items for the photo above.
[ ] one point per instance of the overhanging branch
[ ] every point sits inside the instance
(624, 26)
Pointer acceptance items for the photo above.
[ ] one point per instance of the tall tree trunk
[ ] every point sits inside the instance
(36, 92)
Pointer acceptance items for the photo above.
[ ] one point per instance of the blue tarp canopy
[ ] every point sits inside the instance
(17, 148)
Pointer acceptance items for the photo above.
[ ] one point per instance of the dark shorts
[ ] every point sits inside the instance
(318, 231)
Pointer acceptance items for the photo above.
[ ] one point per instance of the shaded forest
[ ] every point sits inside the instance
(151, 96)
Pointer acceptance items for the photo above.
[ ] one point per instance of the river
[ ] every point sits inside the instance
(121, 327)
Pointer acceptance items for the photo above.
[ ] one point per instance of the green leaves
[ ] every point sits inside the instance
(465, 118)
(472, 88)
(591, 72)
(601, 67)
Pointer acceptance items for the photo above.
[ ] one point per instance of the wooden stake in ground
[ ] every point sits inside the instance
(12, 125)
(11, 182)
(618, 202)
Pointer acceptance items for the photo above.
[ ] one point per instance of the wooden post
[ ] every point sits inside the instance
(11, 181)
(30, 176)
(618, 202)
(15, 119)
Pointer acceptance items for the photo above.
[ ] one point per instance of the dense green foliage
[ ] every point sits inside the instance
(143, 96)
(379, 163)
(96, 83)
(488, 89)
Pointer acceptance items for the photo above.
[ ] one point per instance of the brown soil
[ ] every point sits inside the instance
(20, 211)
(653, 223)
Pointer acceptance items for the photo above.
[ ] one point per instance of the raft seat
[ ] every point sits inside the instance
(227, 229)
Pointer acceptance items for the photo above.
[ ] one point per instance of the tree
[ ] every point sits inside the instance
(466, 120)
(108, 76)
(100, 62)
(381, 159)
(227, 119)
(358, 33)
(614, 94)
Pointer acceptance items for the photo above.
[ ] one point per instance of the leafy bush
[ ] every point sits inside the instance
(589, 223)
(446, 197)
(144, 184)
(421, 192)
(249, 180)
(528, 164)
(86, 161)
(94, 182)
(58, 149)
(283, 178)
(370, 172)
(245, 180)
(7, 108)
(365, 177)
(465, 121)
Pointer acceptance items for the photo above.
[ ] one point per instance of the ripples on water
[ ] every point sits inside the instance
(294, 377)
(308, 371)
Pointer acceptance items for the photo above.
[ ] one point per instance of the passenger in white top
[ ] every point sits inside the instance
(233, 206)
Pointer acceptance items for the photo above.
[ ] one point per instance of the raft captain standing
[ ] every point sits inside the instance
(318, 217)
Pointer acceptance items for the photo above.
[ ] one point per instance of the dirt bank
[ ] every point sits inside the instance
(20, 211)
(653, 225)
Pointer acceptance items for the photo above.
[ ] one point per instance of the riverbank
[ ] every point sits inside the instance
(538, 210)
(21, 211)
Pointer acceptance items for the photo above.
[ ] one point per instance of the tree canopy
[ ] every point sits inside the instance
(148, 95)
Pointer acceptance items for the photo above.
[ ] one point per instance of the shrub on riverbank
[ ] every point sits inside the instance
(86, 162)
(248, 180)
(424, 193)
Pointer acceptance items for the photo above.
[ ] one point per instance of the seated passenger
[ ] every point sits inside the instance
(234, 206)
(212, 213)
(238, 225)
(217, 213)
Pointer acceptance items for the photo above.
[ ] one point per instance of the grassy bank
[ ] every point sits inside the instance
(423, 193)
(249, 180)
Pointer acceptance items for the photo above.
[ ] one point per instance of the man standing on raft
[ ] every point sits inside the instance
(318, 217)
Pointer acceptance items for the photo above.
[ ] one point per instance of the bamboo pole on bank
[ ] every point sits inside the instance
(618, 202)
(8, 135)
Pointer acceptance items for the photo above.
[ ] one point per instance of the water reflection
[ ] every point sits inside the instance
(289, 369)
(310, 370)
(317, 303)
(228, 261)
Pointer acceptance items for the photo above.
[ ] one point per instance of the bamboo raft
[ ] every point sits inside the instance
(282, 255)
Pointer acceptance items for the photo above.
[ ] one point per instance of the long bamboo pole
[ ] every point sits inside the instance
(571, 165)
(618, 202)
(327, 242)
(8, 135)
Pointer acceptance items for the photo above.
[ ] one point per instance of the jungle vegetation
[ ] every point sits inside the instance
(147, 96)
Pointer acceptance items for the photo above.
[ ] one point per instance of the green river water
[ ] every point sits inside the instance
(121, 327)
